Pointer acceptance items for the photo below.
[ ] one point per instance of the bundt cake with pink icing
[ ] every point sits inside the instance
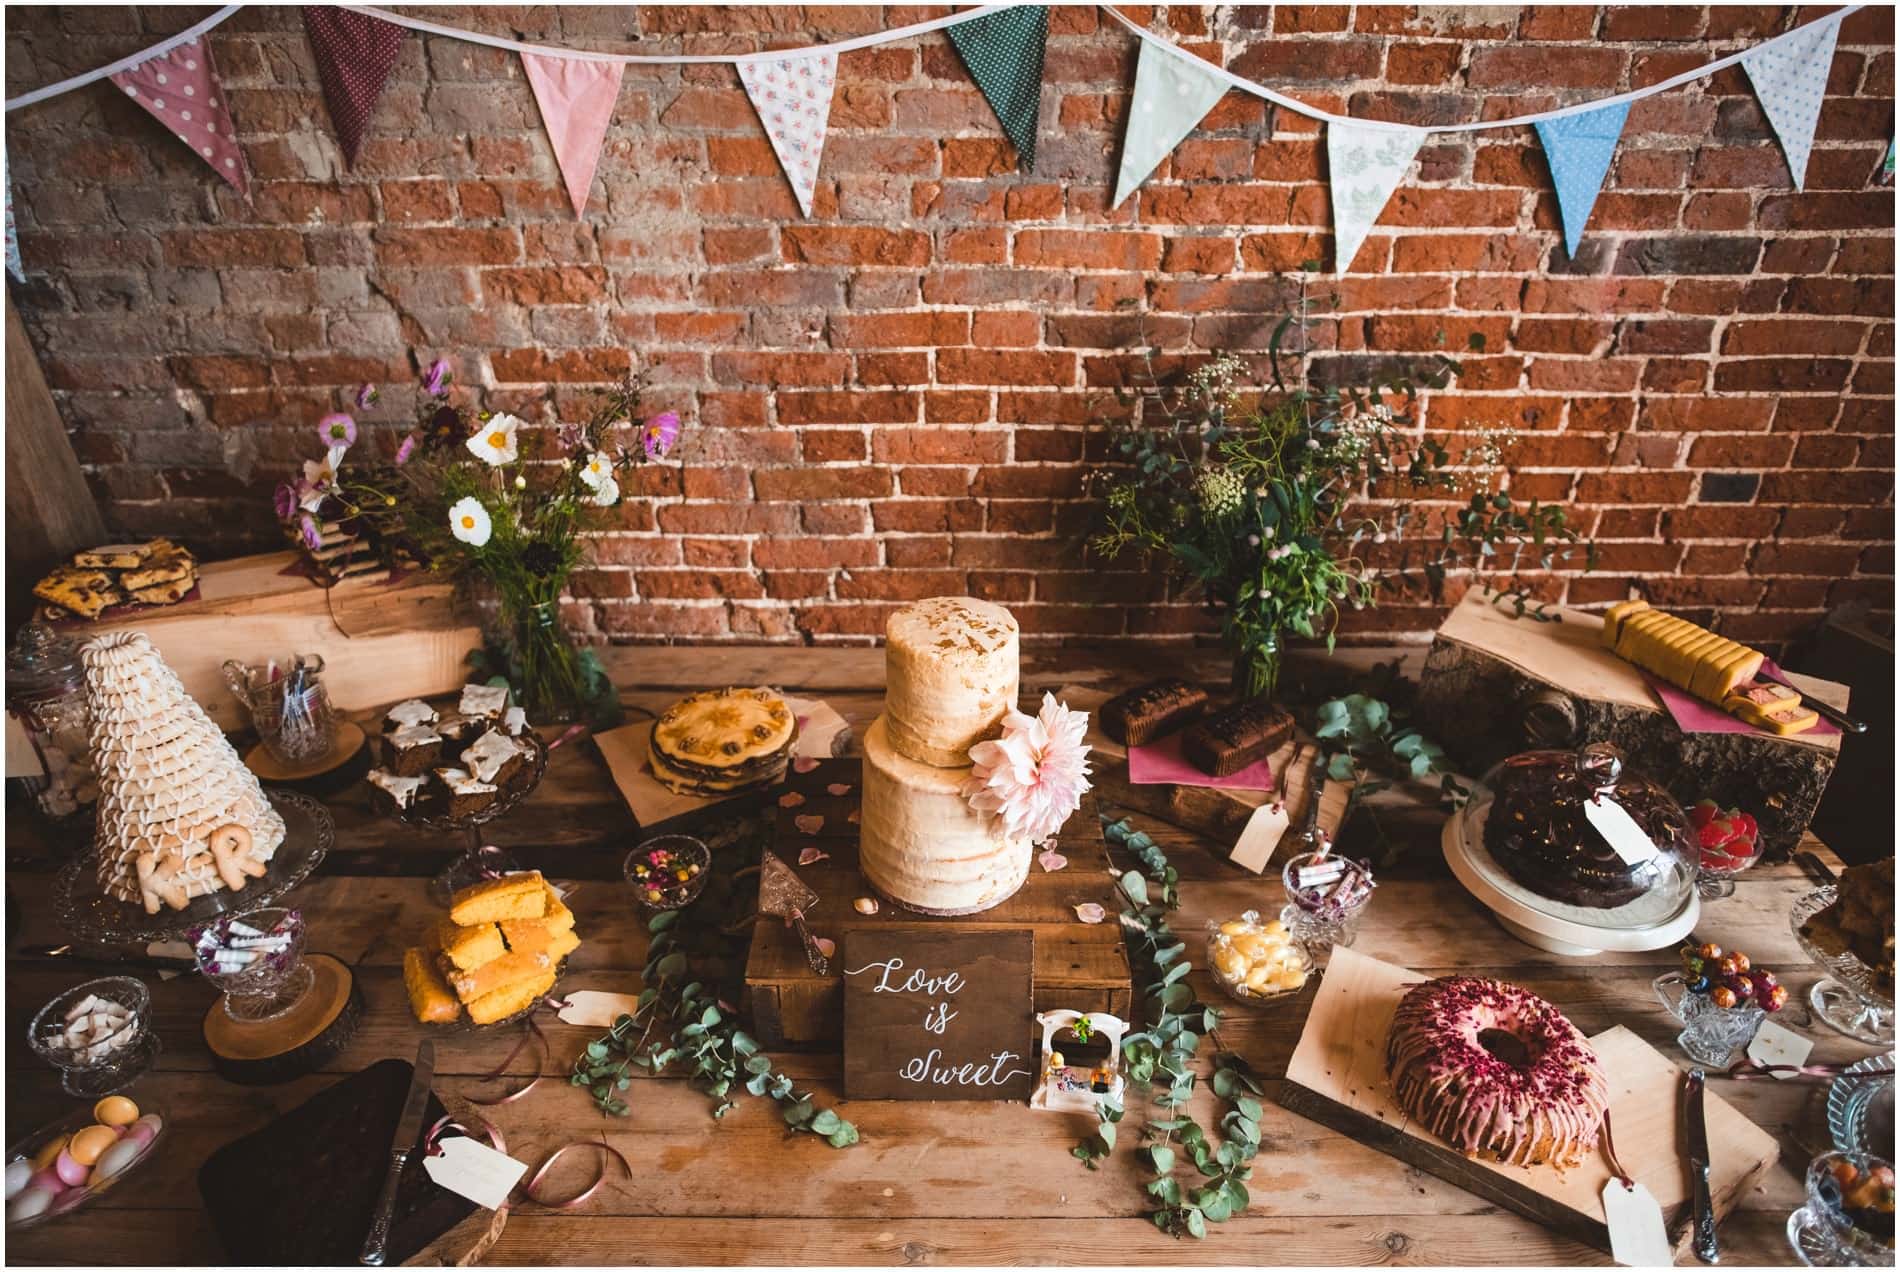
(1496, 1072)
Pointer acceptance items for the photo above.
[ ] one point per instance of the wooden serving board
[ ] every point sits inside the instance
(1337, 1077)
(1495, 684)
(1219, 814)
(1078, 965)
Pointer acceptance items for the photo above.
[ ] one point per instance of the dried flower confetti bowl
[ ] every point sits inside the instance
(668, 872)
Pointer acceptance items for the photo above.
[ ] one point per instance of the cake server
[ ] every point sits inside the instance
(782, 894)
(1695, 1128)
(408, 1129)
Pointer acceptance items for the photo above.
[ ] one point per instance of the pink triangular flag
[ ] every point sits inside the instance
(576, 96)
(180, 89)
(793, 98)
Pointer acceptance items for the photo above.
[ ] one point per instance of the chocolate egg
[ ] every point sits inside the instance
(115, 1110)
(70, 1172)
(86, 1145)
(117, 1158)
(30, 1204)
(19, 1175)
(49, 1153)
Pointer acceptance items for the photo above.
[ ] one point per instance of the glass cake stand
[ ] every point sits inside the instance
(1847, 998)
(1659, 918)
(87, 913)
(1860, 1107)
(478, 861)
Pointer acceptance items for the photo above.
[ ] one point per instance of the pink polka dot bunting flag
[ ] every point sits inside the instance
(180, 89)
(793, 98)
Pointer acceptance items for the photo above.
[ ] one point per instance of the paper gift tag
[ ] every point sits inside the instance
(1637, 1239)
(475, 1171)
(1260, 836)
(1630, 841)
(1776, 1045)
(596, 1008)
(22, 759)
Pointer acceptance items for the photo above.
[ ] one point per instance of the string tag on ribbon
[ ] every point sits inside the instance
(597, 1008)
(1611, 820)
(473, 1170)
(1637, 1238)
(1781, 1051)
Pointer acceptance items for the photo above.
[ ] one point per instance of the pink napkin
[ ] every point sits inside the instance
(1692, 715)
(1161, 763)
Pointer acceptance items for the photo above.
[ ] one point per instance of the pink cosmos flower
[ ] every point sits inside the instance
(366, 397)
(658, 434)
(284, 500)
(307, 525)
(1034, 775)
(408, 448)
(337, 429)
(438, 377)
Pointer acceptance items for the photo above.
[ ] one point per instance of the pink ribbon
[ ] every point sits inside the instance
(531, 1031)
(1746, 1068)
(432, 1147)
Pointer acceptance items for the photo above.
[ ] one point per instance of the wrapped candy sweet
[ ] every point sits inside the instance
(1254, 959)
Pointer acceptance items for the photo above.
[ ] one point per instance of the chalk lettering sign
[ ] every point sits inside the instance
(938, 1015)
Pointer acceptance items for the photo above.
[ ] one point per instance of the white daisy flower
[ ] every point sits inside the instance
(597, 469)
(468, 521)
(607, 493)
(494, 442)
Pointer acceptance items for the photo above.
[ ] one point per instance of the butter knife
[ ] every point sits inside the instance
(408, 1129)
(1832, 714)
(1695, 1128)
(1315, 788)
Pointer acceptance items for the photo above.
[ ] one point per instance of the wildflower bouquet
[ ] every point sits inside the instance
(465, 498)
(1271, 500)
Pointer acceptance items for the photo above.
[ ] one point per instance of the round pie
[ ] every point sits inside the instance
(722, 730)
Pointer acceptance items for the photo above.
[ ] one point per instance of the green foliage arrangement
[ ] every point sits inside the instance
(1159, 1060)
(1271, 496)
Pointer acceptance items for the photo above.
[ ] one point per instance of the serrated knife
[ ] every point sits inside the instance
(408, 1129)
(1695, 1129)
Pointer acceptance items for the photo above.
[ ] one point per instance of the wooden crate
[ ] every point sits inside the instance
(380, 642)
(1077, 965)
(1495, 684)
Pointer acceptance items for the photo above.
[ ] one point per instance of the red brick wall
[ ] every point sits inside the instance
(892, 399)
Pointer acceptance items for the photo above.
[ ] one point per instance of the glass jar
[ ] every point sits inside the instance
(1581, 829)
(1325, 895)
(46, 694)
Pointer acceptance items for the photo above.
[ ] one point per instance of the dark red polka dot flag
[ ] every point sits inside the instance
(355, 54)
(179, 87)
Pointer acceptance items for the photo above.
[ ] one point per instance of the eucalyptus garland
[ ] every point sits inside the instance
(724, 1060)
(1160, 1061)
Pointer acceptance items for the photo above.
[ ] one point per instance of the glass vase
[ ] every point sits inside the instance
(544, 664)
(1257, 667)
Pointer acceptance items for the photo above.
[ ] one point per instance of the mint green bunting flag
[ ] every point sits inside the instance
(1004, 53)
(1174, 90)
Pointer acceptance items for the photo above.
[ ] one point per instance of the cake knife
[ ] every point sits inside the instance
(1695, 1127)
(408, 1129)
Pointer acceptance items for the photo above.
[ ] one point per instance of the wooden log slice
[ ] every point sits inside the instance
(314, 1032)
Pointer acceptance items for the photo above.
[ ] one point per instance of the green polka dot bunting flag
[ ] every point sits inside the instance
(1004, 53)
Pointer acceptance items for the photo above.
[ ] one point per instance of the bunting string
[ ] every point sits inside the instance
(189, 34)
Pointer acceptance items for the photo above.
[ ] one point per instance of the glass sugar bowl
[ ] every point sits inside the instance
(46, 693)
(1252, 960)
(1326, 894)
(1848, 1219)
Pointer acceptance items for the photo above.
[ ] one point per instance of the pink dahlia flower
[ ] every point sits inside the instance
(1033, 776)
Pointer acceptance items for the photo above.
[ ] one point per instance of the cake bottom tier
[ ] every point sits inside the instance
(922, 846)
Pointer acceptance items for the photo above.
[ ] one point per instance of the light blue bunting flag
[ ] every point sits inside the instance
(1367, 165)
(1173, 92)
(14, 267)
(1790, 79)
(1579, 148)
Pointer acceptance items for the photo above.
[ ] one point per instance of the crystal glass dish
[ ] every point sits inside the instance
(1860, 1107)
(1848, 997)
(96, 1059)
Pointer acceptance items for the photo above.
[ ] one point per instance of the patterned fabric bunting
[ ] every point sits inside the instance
(14, 267)
(1173, 92)
(576, 97)
(1580, 148)
(180, 89)
(1003, 52)
(1367, 166)
(355, 54)
(793, 98)
(1790, 79)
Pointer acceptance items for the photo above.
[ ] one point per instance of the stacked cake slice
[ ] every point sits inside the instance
(498, 951)
(1713, 668)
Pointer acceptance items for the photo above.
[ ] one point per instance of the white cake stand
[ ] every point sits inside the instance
(1654, 921)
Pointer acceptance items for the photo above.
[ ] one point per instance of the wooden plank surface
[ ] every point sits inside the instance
(930, 1183)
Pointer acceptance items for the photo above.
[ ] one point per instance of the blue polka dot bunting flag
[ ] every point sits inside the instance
(1580, 148)
(14, 267)
(1790, 79)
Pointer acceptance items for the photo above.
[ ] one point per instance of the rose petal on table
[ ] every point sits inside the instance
(810, 856)
(809, 823)
(826, 946)
(790, 799)
(852, 817)
(839, 788)
(804, 763)
(1052, 861)
(1089, 912)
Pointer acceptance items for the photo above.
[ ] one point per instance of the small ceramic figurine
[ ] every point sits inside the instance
(1079, 1088)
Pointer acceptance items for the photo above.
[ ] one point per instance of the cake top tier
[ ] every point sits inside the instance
(951, 666)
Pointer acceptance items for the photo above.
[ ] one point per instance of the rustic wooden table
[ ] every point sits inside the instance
(930, 1183)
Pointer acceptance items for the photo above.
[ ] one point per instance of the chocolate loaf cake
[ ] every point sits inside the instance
(1229, 739)
(1144, 714)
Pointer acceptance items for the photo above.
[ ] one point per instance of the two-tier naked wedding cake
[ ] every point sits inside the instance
(951, 676)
